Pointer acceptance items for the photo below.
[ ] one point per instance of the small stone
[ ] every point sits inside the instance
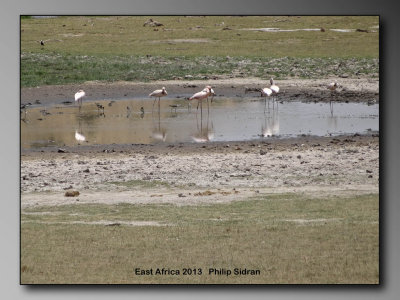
(71, 193)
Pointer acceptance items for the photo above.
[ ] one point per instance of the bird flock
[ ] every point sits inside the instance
(199, 96)
(271, 91)
(207, 92)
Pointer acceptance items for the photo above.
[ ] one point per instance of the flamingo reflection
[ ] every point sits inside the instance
(79, 137)
(159, 134)
(204, 134)
(271, 124)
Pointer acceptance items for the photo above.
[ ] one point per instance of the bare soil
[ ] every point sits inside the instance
(190, 174)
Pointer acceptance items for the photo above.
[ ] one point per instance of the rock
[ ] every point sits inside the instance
(71, 193)
(152, 23)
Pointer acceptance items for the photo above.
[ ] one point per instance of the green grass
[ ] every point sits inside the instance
(79, 49)
(339, 244)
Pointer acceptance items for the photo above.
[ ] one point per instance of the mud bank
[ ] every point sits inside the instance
(350, 90)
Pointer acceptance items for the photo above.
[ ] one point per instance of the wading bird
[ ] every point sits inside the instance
(158, 94)
(274, 88)
(332, 87)
(79, 137)
(99, 107)
(78, 97)
(211, 93)
(204, 94)
(266, 92)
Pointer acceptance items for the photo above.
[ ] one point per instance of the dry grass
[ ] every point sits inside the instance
(289, 238)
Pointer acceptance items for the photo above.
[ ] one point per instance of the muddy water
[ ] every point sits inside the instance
(123, 122)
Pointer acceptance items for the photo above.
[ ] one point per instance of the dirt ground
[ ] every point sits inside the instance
(350, 89)
(187, 174)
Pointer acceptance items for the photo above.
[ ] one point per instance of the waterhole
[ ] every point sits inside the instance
(226, 119)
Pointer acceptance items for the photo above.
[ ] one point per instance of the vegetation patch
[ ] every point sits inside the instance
(288, 237)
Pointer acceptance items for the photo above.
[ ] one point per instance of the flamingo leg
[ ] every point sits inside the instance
(201, 110)
(155, 99)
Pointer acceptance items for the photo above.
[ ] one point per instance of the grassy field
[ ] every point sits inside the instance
(79, 48)
(290, 238)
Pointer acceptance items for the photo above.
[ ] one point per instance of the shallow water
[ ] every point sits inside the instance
(227, 120)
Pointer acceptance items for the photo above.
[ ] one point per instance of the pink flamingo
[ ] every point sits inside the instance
(204, 94)
(158, 94)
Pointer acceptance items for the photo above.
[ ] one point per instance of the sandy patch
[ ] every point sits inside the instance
(175, 41)
(312, 221)
(104, 222)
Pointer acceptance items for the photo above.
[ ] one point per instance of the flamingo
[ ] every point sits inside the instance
(211, 93)
(158, 94)
(202, 95)
(78, 97)
(266, 92)
(332, 87)
(79, 137)
(274, 88)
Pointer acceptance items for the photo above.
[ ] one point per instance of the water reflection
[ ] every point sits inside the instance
(159, 133)
(332, 122)
(126, 121)
(205, 131)
(270, 127)
(79, 137)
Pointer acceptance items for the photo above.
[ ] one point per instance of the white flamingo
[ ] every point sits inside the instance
(332, 87)
(158, 94)
(266, 92)
(78, 96)
(274, 88)
(79, 137)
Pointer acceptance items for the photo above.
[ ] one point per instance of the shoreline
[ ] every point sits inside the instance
(308, 90)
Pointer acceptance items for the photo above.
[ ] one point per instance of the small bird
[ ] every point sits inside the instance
(332, 86)
(174, 106)
(79, 95)
(42, 42)
(158, 94)
(128, 111)
(100, 107)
